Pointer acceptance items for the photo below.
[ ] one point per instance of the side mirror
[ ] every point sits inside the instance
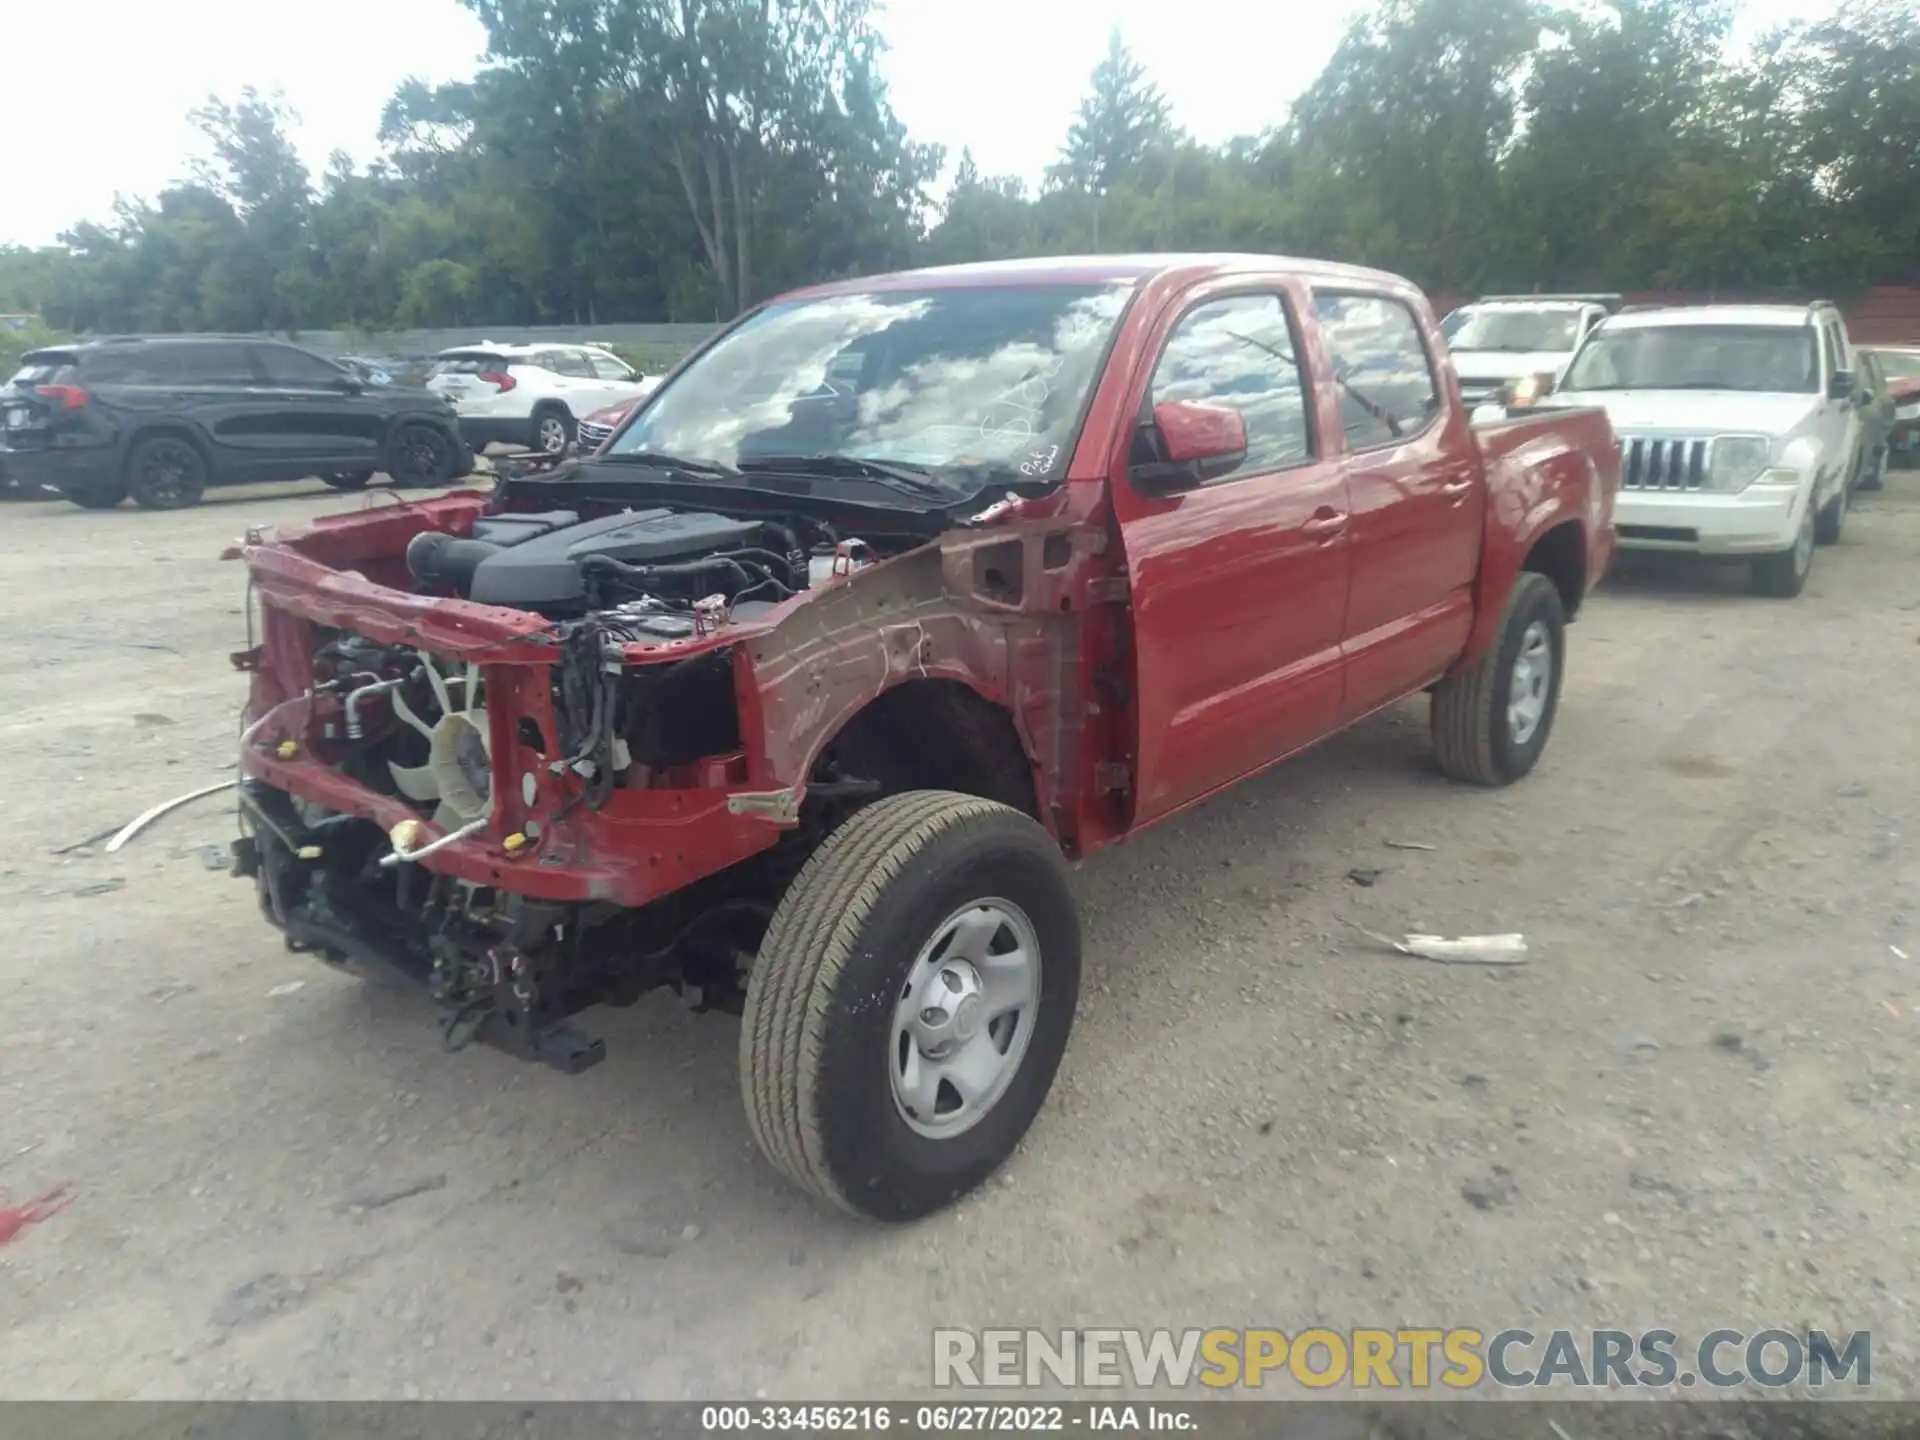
(1187, 444)
(349, 385)
(1527, 390)
(1843, 385)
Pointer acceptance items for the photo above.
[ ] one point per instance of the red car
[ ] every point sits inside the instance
(902, 594)
(594, 431)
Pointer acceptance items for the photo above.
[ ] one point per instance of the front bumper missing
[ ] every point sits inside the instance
(492, 982)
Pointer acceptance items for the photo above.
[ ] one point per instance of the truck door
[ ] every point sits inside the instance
(1238, 583)
(1414, 479)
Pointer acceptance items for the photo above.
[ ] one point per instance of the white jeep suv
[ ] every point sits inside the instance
(531, 395)
(1739, 428)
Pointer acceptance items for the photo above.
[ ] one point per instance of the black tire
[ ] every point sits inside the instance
(420, 454)
(1783, 576)
(1474, 734)
(545, 416)
(1832, 518)
(819, 1039)
(166, 472)
(98, 497)
(349, 479)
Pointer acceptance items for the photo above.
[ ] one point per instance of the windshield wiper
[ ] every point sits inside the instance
(907, 477)
(671, 462)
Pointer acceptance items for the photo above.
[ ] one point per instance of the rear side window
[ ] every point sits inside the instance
(1240, 352)
(1381, 371)
(215, 364)
(286, 365)
(468, 362)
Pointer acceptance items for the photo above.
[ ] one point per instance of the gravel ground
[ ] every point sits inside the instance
(1694, 1107)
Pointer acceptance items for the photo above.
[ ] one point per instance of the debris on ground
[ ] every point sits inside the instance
(16, 1218)
(90, 841)
(381, 1198)
(1465, 950)
(140, 822)
(286, 987)
(148, 720)
(1634, 1043)
(102, 887)
(1497, 1189)
(216, 857)
(1898, 952)
(1409, 845)
(1361, 875)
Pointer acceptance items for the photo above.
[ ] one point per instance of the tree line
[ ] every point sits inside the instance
(679, 159)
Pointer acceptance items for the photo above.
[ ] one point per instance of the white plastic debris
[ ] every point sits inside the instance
(1464, 950)
(140, 822)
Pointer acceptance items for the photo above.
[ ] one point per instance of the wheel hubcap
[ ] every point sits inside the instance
(166, 473)
(1803, 542)
(965, 1018)
(553, 436)
(1532, 682)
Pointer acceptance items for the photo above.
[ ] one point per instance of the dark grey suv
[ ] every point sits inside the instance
(160, 419)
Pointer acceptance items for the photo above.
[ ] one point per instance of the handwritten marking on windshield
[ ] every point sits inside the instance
(1040, 462)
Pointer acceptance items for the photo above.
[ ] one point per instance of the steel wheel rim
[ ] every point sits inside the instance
(168, 465)
(553, 435)
(419, 452)
(965, 1018)
(1530, 684)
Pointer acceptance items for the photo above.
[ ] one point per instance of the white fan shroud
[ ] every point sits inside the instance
(458, 744)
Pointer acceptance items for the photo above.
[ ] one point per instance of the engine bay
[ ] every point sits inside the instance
(648, 569)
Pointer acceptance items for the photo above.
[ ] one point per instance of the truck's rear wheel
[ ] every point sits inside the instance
(911, 1003)
(1491, 722)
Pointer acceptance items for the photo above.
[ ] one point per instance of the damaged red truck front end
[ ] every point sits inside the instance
(800, 695)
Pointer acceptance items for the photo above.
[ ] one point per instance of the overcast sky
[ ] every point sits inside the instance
(108, 103)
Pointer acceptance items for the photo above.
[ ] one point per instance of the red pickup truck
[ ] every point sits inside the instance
(899, 594)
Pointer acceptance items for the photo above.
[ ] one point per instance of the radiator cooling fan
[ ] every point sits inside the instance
(458, 776)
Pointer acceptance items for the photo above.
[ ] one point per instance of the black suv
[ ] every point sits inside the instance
(162, 418)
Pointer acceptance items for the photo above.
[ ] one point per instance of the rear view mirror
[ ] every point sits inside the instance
(1186, 444)
(1842, 386)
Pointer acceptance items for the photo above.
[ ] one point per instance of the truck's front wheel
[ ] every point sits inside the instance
(911, 1003)
(1491, 721)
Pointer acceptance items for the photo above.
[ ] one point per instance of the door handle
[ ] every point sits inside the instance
(1325, 521)
(1457, 487)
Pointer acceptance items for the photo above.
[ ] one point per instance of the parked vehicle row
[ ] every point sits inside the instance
(1745, 429)
(1500, 338)
(797, 696)
(162, 419)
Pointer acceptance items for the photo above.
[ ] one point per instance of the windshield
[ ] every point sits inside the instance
(1899, 364)
(1515, 330)
(932, 379)
(1774, 359)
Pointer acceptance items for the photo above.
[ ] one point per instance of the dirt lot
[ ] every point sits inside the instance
(1694, 1107)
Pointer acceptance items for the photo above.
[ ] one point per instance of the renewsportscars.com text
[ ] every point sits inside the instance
(1415, 1359)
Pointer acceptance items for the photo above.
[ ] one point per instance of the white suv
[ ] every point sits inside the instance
(531, 395)
(1739, 428)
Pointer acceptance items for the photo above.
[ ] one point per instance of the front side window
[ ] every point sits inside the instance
(606, 367)
(570, 363)
(1240, 352)
(1381, 371)
(1766, 359)
(972, 378)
